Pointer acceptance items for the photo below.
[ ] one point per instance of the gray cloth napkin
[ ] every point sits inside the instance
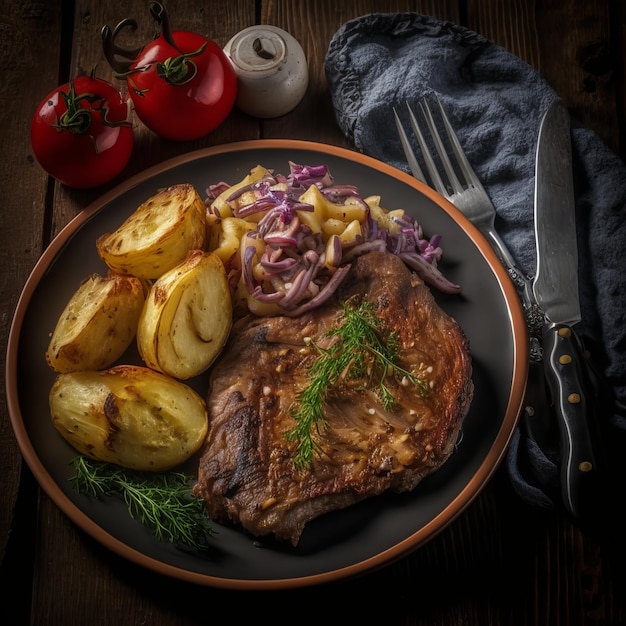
(495, 102)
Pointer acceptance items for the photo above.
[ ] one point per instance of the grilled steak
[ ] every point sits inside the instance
(247, 473)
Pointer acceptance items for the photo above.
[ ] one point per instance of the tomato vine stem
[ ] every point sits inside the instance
(180, 70)
(176, 70)
(77, 119)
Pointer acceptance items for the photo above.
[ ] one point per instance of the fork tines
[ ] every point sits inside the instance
(459, 173)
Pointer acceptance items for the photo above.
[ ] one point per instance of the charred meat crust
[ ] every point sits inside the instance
(247, 474)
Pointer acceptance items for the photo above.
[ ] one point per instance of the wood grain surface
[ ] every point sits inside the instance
(500, 562)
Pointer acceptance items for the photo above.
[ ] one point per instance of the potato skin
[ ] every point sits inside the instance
(158, 234)
(187, 317)
(98, 323)
(129, 415)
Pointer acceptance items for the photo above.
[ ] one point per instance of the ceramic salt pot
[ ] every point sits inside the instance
(272, 70)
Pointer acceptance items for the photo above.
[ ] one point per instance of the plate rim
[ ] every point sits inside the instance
(425, 533)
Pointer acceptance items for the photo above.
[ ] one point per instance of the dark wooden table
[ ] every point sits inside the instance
(501, 561)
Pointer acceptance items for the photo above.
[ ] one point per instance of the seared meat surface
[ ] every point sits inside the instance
(247, 473)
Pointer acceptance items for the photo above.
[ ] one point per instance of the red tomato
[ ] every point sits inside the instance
(80, 133)
(182, 96)
(182, 84)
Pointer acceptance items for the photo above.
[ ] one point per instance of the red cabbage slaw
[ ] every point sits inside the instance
(285, 263)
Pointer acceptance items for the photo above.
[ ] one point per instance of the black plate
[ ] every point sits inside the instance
(338, 545)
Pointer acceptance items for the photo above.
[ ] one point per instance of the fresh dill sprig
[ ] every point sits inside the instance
(163, 502)
(359, 352)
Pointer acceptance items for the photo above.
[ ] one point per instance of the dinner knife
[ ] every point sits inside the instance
(556, 289)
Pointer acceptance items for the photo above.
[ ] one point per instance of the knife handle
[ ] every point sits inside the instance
(564, 364)
(538, 425)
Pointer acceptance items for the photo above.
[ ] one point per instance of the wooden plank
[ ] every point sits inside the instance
(30, 35)
(618, 54)
(569, 43)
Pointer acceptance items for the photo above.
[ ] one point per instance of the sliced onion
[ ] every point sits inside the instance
(297, 269)
(328, 290)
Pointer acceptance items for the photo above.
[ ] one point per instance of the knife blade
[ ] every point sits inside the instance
(556, 289)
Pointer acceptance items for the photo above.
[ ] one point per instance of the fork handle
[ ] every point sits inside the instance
(501, 250)
(532, 311)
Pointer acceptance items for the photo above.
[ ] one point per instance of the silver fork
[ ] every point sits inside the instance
(468, 195)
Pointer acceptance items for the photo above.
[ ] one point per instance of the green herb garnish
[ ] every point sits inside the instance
(358, 353)
(163, 502)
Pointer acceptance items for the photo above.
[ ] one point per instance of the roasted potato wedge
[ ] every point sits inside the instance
(187, 317)
(130, 416)
(158, 235)
(98, 323)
